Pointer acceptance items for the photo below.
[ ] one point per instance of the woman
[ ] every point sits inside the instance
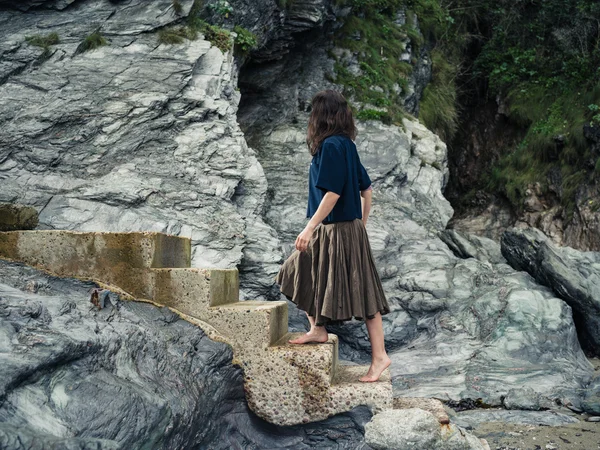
(332, 275)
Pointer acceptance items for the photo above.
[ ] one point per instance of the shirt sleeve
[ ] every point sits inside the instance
(364, 182)
(332, 168)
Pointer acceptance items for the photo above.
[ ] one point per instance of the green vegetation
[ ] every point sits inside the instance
(44, 42)
(222, 8)
(439, 107)
(245, 40)
(175, 35)
(217, 36)
(370, 33)
(542, 59)
(92, 41)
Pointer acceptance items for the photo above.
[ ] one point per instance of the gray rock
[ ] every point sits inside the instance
(591, 398)
(471, 246)
(416, 429)
(573, 276)
(132, 136)
(525, 399)
(17, 217)
(127, 376)
(471, 419)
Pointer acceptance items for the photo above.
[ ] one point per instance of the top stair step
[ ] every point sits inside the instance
(118, 259)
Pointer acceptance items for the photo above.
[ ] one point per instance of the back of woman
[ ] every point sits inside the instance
(332, 274)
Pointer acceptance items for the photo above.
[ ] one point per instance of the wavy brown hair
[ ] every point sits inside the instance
(330, 115)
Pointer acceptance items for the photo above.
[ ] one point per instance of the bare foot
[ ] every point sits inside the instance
(376, 369)
(317, 336)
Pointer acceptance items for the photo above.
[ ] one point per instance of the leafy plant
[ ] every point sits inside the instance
(221, 7)
(177, 7)
(245, 40)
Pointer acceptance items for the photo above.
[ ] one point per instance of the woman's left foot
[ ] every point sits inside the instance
(376, 369)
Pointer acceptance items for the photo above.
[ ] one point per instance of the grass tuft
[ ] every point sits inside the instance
(92, 41)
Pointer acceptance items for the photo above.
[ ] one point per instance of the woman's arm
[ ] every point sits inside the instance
(366, 200)
(325, 207)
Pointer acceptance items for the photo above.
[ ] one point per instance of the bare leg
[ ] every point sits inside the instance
(379, 358)
(316, 334)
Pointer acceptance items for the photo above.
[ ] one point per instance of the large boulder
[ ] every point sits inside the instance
(416, 429)
(573, 275)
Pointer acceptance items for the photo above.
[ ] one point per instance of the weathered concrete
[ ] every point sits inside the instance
(119, 259)
(284, 384)
(17, 217)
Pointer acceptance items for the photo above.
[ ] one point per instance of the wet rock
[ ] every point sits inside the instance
(17, 217)
(573, 276)
(417, 429)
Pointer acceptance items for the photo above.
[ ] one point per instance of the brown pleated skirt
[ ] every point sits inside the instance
(335, 279)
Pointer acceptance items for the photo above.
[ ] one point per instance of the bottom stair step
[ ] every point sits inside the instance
(346, 373)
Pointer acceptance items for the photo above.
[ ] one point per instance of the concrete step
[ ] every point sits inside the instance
(191, 289)
(118, 259)
(253, 323)
(313, 357)
(347, 389)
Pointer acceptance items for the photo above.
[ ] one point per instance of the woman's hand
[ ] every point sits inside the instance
(304, 238)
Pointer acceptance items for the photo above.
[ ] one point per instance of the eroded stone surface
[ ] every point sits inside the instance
(403, 429)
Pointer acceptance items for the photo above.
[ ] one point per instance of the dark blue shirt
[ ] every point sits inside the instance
(336, 167)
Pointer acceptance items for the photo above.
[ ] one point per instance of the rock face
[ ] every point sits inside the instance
(130, 374)
(417, 429)
(131, 136)
(571, 274)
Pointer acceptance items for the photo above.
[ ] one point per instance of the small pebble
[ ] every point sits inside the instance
(593, 419)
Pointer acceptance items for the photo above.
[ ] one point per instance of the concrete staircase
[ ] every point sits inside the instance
(284, 384)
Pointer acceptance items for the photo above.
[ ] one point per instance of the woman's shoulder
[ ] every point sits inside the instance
(338, 141)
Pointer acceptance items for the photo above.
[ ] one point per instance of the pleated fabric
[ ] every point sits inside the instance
(335, 279)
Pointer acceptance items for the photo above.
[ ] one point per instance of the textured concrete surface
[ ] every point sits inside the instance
(119, 259)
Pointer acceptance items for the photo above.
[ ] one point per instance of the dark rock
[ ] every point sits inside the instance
(573, 276)
(17, 217)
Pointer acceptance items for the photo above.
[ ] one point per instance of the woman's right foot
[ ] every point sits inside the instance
(319, 336)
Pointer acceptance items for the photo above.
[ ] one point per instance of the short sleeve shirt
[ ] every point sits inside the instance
(336, 167)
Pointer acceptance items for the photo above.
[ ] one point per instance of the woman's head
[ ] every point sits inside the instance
(330, 115)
